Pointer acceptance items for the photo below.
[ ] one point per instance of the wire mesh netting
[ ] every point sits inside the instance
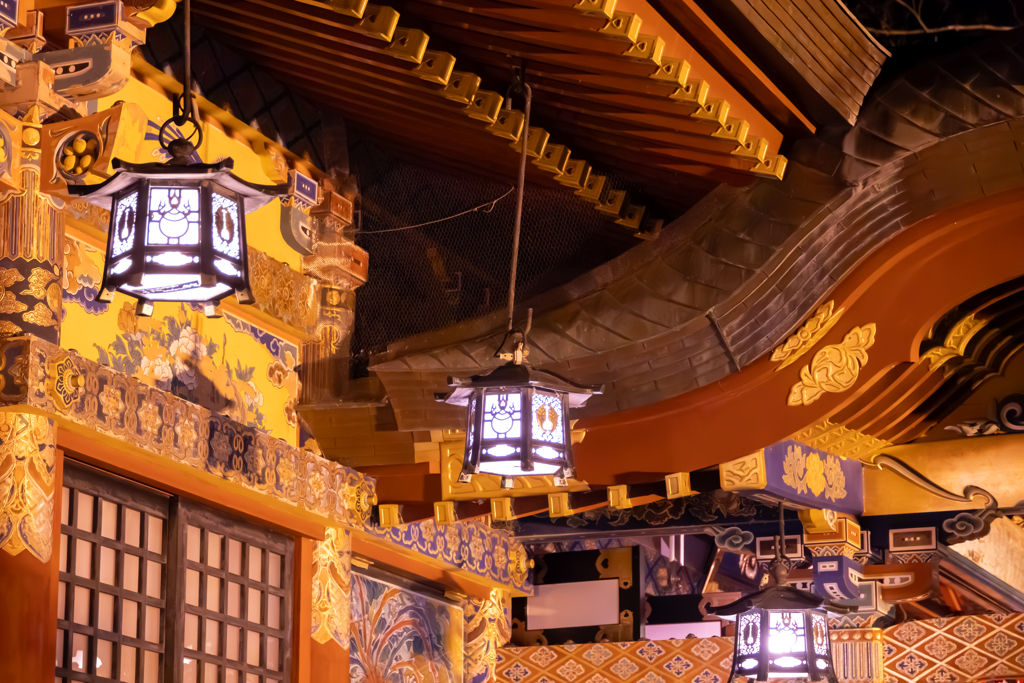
(430, 277)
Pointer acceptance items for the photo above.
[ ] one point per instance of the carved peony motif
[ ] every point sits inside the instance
(835, 368)
(802, 471)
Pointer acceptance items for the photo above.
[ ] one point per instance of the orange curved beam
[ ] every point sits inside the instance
(904, 287)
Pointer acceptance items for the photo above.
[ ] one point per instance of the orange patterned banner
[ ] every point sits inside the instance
(695, 660)
(956, 650)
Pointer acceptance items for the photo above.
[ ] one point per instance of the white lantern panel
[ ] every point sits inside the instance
(546, 453)
(785, 662)
(121, 266)
(501, 451)
(514, 468)
(786, 633)
(174, 287)
(124, 223)
(748, 664)
(547, 418)
(748, 633)
(174, 216)
(820, 632)
(226, 267)
(172, 258)
(502, 416)
(227, 237)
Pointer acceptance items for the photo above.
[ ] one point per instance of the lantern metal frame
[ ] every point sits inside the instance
(131, 258)
(523, 456)
(777, 609)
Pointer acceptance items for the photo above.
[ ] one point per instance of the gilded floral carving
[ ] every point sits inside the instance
(807, 471)
(834, 368)
(807, 336)
(149, 418)
(26, 484)
(487, 628)
(112, 403)
(332, 587)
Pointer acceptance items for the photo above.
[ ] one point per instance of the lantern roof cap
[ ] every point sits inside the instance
(778, 598)
(512, 375)
(101, 194)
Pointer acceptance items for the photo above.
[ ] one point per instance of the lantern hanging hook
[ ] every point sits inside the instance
(779, 570)
(181, 147)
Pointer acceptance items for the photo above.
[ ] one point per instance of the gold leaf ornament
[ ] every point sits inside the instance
(835, 368)
(801, 341)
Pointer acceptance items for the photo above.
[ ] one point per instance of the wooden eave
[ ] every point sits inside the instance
(623, 97)
(821, 56)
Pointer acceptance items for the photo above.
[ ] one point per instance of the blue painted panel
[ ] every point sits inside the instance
(93, 18)
(807, 475)
(9, 13)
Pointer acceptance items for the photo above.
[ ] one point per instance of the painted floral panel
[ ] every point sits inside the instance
(398, 636)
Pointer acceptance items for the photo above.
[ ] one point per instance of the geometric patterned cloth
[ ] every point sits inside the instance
(955, 650)
(694, 660)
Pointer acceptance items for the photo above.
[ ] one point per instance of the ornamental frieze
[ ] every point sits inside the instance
(162, 424)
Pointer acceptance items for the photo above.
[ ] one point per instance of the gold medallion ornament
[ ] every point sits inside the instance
(834, 368)
(65, 383)
(26, 484)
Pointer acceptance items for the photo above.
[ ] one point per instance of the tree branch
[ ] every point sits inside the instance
(941, 29)
(917, 15)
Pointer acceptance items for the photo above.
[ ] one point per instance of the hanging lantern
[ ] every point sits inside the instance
(781, 631)
(518, 423)
(177, 230)
(518, 417)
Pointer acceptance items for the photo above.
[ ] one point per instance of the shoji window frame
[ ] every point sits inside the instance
(100, 485)
(185, 513)
(177, 515)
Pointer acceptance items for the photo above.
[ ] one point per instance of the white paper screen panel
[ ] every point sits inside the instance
(568, 605)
